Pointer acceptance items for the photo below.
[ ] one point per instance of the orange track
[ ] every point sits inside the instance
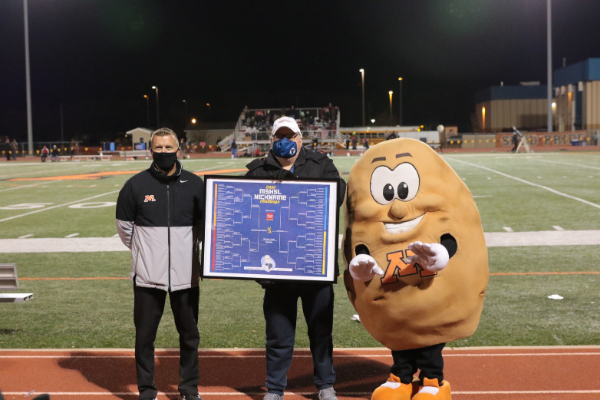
(534, 373)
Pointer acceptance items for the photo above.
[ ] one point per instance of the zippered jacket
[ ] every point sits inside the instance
(160, 218)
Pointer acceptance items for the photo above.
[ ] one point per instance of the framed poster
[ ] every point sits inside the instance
(266, 229)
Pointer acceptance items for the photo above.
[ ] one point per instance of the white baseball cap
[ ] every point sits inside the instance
(285, 122)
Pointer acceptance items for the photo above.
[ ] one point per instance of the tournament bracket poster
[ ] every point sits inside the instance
(265, 229)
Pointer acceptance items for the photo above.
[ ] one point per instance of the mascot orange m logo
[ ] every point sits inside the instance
(397, 268)
(149, 198)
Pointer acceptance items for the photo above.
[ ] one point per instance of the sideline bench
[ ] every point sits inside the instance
(9, 281)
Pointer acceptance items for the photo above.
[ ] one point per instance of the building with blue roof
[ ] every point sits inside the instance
(577, 94)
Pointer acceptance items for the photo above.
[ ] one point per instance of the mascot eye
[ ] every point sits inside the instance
(402, 183)
(388, 192)
(383, 186)
(409, 180)
(403, 191)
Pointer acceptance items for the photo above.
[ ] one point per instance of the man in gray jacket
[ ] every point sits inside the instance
(160, 217)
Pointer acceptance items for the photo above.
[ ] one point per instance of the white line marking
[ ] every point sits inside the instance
(540, 238)
(339, 393)
(475, 197)
(566, 163)
(26, 236)
(530, 183)
(60, 205)
(26, 186)
(72, 235)
(539, 177)
(507, 229)
(239, 356)
(117, 235)
(558, 228)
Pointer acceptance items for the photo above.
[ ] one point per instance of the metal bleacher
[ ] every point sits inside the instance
(247, 137)
(10, 281)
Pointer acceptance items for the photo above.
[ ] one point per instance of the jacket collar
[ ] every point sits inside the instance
(272, 160)
(164, 178)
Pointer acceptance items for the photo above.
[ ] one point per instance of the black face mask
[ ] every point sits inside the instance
(164, 161)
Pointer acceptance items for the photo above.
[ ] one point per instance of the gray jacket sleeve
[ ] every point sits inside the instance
(126, 214)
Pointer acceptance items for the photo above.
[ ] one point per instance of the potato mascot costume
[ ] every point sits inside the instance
(416, 260)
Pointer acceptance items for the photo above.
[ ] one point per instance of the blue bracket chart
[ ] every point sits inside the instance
(263, 229)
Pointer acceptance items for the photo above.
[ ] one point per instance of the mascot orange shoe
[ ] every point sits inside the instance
(431, 390)
(393, 389)
(416, 259)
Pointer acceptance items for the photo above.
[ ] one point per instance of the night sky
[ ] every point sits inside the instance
(99, 57)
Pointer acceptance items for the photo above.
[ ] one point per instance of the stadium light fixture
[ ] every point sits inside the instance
(193, 120)
(147, 111)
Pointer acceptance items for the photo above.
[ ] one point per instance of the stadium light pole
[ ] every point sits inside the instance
(391, 115)
(400, 101)
(185, 110)
(147, 111)
(157, 119)
(209, 112)
(28, 80)
(549, 44)
(362, 75)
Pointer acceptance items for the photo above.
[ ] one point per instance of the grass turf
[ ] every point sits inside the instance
(98, 314)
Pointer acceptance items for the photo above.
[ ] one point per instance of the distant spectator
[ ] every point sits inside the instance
(354, 142)
(256, 151)
(366, 144)
(347, 143)
(315, 142)
(182, 147)
(233, 149)
(14, 148)
(7, 148)
(54, 156)
(44, 153)
(515, 142)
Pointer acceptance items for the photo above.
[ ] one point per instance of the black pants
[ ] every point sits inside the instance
(281, 308)
(428, 359)
(148, 309)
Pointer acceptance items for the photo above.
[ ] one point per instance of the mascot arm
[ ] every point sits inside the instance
(363, 268)
(431, 256)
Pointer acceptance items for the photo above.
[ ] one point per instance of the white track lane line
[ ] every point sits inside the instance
(528, 183)
(60, 205)
(240, 356)
(566, 163)
(339, 393)
(26, 186)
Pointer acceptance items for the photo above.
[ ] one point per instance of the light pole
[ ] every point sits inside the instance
(157, 119)
(549, 29)
(209, 112)
(147, 111)
(400, 101)
(185, 110)
(28, 80)
(391, 116)
(362, 75)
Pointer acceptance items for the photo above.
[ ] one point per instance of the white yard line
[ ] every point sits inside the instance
(72, 235)
(110, 244)
(26, 236)
(566, 163)
(26, 186)
(558, 228)
(60, 205)
(529, 183)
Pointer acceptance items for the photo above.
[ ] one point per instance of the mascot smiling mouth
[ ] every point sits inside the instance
(394, 228)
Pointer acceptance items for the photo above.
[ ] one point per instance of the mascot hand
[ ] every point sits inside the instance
(431, 256)
(364, 268)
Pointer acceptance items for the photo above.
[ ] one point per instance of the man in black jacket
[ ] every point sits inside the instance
(160, 218)
(289, 160)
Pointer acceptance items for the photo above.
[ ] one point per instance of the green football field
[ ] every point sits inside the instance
(519, 193)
